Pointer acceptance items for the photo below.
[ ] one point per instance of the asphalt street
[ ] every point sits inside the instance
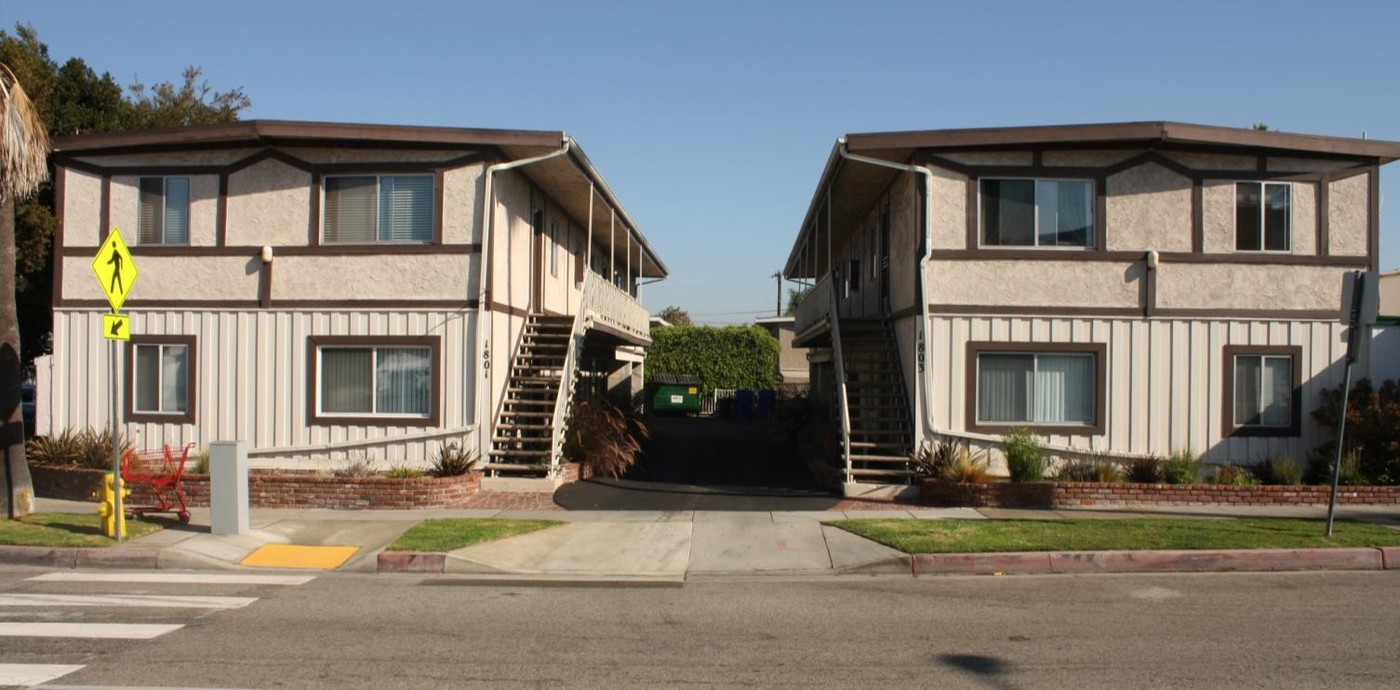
(1315, 629)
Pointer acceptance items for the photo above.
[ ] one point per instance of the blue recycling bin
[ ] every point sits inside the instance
(766, 401)
(743, 404)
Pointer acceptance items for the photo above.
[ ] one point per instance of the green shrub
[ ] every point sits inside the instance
(1146, 470)
(88, 448)
(403, 472)
(1181, 467)
(723, 357)
(1320, 469)
(1373, 431)
(1089, 469)
(965, 467)
(1233, 475)
(1025, 458)
(1284, 471)
(201, 462)
(451, 460)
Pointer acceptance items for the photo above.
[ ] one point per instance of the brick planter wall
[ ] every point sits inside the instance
(577, 472)
(285, 490)
(1077, 494)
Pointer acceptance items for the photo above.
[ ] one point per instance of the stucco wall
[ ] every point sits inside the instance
(1086, 158)
(1148, 207)
(1347, 225)
(1283, 163)
(1218, 216)
(949, 208)
(461, 204)
(172, 278)
(1249, 286)
(269, 203)
(171, 158)
(82, 211)
(391, 276)
(1035, 283)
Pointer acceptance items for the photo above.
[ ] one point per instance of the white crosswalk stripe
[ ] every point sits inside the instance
(92, 631)
(176, 578)
(160, 601)
(33, 674)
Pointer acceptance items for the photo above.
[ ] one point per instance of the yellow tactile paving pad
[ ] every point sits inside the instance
(293, 556)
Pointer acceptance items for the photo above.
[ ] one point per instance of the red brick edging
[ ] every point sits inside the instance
(1079, 494)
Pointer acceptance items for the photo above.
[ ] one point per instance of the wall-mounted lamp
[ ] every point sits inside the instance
(1152, 259)
(266, 254)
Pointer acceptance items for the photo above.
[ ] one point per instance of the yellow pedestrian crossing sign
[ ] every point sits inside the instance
(114, 269)
(116, 326)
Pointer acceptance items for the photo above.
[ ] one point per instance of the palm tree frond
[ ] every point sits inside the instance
(24, 143)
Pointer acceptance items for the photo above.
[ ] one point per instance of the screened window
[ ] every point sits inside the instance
(1037, 213)
(1263, 391)
(1036, 388)
(164, 210)
(371, 381)
(365, 209)
(1263, 216)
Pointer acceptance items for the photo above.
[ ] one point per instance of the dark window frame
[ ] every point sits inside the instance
(1263, 218)
(434, 228)
(191, 380)
(976, 348)
(314, 416)
(164, 202)
(1228, 425)
(1092, 242)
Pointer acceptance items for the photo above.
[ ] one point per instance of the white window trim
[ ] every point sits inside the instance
(164, 181)
(1235, 214)
(374, 399)
(432, 229)
(1035, 232)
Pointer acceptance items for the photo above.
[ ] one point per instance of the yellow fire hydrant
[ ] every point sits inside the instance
(112, 519)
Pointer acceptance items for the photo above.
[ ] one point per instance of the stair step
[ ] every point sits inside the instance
(519, 453)
(863, 472)
(878, 444)
(862, 457)
(525, 427)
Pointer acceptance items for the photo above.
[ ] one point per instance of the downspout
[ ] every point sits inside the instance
(924, 413)
(483, 400)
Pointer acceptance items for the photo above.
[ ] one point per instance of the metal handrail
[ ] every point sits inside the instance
(840, 379)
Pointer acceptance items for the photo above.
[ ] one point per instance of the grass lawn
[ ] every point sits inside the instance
(989, 536)
(448, 534)
(71, 529)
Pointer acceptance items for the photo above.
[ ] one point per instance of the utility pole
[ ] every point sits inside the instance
(778, 309)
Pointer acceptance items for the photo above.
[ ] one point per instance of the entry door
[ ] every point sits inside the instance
(537, 261)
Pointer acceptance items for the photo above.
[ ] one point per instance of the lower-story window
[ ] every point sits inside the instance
(384, 380)
(1263, 385)
(161, 379)
(1051, 387)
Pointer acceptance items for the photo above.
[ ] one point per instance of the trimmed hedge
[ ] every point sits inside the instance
(723, 357)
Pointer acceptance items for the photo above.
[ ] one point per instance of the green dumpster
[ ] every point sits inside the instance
(675, 393)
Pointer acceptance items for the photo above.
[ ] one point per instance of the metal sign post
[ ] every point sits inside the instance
(1358, 284)
(116, 272)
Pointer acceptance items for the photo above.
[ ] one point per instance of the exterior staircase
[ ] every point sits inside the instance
(881, 429)
(522, 440)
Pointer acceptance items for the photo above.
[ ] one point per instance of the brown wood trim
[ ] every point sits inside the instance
(905, 313)
(1100, 213)
(502, 308)
(1038, 158)
(439, 183)
(59, 192)
(1088, 172)
(1149, 292)
(975, 348)
(191, 383)
(1022, 254)
(291, 250)
(260, 132)
(313, 232)
(1373, 220)
(104, 222)
(1228, 428)
(265, 286)
(280, 156)
(1270, 258)
(1198, 217)
(1270, 314)
(1261, 163)
(221, 212)
(286, 304)
(432, 342)
(1031, 310)
(1324, 218)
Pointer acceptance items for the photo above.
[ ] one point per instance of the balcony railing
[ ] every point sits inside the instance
(815, 307)
(611, 309)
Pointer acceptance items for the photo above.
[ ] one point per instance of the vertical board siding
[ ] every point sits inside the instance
(252, 379)
(1165, 378)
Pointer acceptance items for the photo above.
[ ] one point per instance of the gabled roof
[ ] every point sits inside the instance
(569, 179)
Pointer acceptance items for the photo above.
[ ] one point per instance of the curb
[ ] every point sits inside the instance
(80, 557)
(411, 562)
(1072, 562)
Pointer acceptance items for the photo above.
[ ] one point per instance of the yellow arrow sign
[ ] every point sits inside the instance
(114, 269)
(116, 326)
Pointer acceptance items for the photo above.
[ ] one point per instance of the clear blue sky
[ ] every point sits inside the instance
(712, 120)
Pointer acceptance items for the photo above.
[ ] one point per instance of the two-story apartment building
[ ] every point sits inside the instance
(322, 290)
(1132, 289)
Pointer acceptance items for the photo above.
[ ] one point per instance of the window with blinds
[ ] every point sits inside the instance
(164, 213)
(364, 209)
(390, 381)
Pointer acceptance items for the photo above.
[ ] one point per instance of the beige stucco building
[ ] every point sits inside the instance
(1131, 289)
(325, 291)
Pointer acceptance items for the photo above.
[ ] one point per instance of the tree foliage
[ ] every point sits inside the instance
(73, 98)
(723, 357)
(1372, 433)
(795, 297)
(676, 316)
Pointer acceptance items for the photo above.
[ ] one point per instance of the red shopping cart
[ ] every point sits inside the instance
(159, 471)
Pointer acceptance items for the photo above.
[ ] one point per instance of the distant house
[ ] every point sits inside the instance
(1134, 289)
(792, 361)
(1390, 297)
(320, 289)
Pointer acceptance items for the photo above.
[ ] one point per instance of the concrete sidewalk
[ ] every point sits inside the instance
(656, 546)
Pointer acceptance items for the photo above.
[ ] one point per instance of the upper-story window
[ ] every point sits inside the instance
(164, 216)
(1037, 213)
(1263, 216)
(364, 209)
